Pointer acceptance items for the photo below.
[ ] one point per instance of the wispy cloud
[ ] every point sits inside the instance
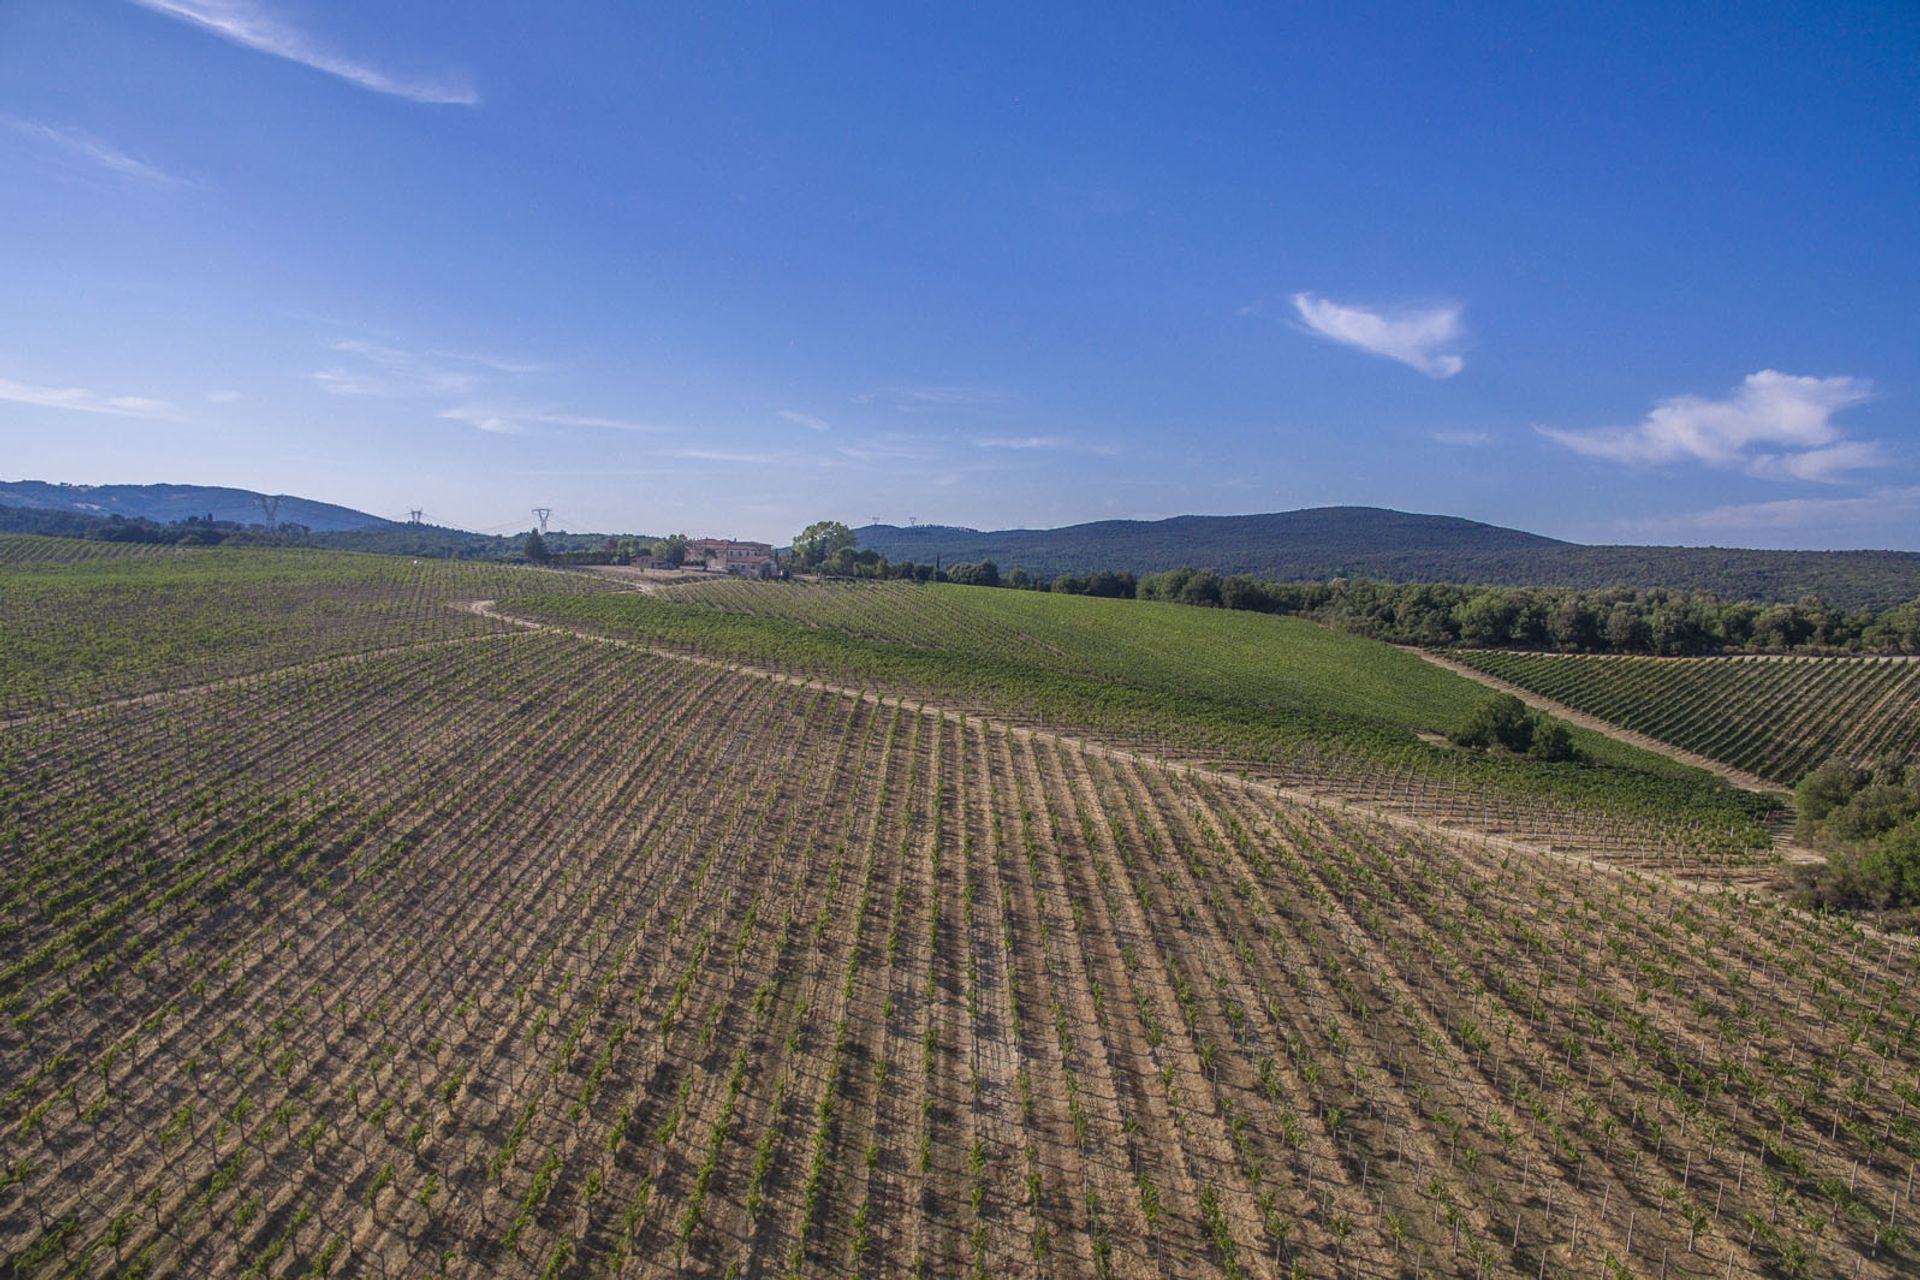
(1774, 425)
(487, 392)
(909, 399)
(72, 144)
(807, 420)
(515, 420)
(1417, 336)
(1464, 439)
(254, 25)
(1063, 443)
(381, 369)
(223, 397)
(1870, 511)
(480, 418)
(749, 457)
(80, 400)
(890, 447)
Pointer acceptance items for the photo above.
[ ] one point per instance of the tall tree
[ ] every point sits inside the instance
(821, 541)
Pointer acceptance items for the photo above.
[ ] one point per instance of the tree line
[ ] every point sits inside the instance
(1637, 620)
(1628, 620)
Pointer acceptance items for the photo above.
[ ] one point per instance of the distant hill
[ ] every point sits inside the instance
(1398, 546)
(166, 503)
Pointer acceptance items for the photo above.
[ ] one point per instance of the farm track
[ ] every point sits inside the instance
(1773, 718)
(1573, 715)
(551, 955)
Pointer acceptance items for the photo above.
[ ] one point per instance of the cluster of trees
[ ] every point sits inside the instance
(1867, 822)
(1506, 723)
(828, 547)
(1615, 620)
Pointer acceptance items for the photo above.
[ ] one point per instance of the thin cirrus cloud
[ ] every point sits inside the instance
(1776, 426)
(1464, 439)
(70, 145)
(380, 370)
(79, 400)
(1420, 337)
(519, 420)
(253, 25)
(484, 391)
(807, 420)
(1062, 443)
(911, 399)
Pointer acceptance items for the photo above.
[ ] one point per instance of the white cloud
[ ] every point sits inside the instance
(595, 422)
(253, 25)
(347, 382)
(515, 420)
(1774, 425)
(891, 447)
(806, 420)
(909, 399)
(78, 144)
(83, 401)
(1464, 439)
(483, 419)
(1870, 511)
(747, 456)
(223, 397)
(1042, 442)
(1414, 336)
(389, 372)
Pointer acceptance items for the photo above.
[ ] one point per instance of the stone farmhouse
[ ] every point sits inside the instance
(724, 555)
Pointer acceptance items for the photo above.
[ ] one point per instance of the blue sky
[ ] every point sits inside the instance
(1612, 273)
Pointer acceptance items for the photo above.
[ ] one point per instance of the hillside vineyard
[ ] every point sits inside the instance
(1778, 717)
(490, 949)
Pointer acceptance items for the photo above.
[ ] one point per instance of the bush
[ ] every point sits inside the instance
(1867, 822)
(1504, 721)
(1872, 811)
(1552, 743)
(1826, 789)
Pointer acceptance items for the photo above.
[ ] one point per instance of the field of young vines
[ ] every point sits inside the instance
(1774, 717)
(77, 627)
(500, 950)
(1282, 699)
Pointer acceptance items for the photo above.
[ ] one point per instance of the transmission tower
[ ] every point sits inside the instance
(912, 521)
(541, 514)
(876, 520)
(271, 505)
(413, 515)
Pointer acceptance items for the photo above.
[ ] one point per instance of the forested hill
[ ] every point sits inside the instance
(166, 503)
(1397, 546)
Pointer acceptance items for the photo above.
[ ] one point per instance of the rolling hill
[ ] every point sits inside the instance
(166, 503)
(1397, 546)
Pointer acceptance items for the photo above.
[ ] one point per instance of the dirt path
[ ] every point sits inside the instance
(1738, 777)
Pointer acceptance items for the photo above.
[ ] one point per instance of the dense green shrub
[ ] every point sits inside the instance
(1504, 721)
(1867, 822)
